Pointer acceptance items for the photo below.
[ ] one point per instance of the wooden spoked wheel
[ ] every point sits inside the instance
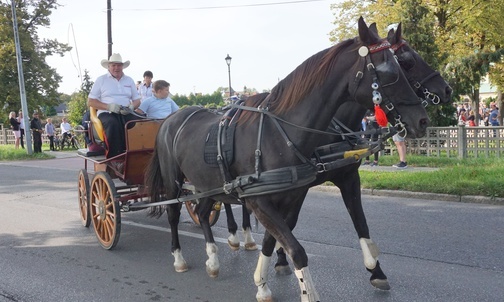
(83, 196)
(214, 215)
(104, 210)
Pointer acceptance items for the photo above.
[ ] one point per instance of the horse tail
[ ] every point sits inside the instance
(162, 176)
(154, 184)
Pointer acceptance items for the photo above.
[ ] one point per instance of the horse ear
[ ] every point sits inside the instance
(364, 33)
(391, 36)
(373, 28)
(398, 32)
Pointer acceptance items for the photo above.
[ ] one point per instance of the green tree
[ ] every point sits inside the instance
(467, 34)
(41, 81)
(78, 101)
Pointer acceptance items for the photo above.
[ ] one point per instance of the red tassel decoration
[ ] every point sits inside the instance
(381, 117)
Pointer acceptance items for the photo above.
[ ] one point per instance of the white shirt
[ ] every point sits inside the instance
(145, 91)
(108, 90)
(65, 127)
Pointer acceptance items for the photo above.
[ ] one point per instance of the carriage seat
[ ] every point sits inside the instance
(96, 135)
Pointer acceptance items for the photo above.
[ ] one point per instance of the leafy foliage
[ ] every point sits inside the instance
(41, 81)
(78, 101)
(461, 38)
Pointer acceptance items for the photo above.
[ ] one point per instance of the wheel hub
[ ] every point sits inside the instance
(101, 209)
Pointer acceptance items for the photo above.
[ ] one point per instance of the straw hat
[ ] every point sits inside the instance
(114, 58)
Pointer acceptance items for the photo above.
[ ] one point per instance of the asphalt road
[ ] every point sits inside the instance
(431, 250)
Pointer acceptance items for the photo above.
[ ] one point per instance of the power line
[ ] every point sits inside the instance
(217, 7)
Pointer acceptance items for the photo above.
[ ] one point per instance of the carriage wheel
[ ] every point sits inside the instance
(214, 215)
(83, 195)
(104, 210)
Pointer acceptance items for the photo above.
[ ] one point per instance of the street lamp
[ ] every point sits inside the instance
(228, 62)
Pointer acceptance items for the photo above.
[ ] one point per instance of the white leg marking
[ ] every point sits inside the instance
(308, 291)
(250, 244)
(212, 264)
(234, 242)
(370, 252)
(261, 279)
(179, 263)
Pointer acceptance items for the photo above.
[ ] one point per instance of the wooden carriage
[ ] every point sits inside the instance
(105, 191)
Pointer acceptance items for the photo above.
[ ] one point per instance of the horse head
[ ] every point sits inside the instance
(427, 82)
(379, 77)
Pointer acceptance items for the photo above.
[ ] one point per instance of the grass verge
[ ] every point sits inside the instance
(481, 177)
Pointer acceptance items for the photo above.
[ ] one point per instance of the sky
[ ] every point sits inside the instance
(185, 42)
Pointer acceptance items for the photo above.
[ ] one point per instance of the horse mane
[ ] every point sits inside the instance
(293, 88)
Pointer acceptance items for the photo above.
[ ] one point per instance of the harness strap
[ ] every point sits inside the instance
(177, 134)
(290, 144)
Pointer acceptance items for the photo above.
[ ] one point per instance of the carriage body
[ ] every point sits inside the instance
(104, 190)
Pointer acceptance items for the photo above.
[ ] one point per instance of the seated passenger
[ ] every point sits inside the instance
(111, 91)
(65, 132)
(160, 105)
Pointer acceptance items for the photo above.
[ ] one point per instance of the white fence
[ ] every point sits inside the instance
(458, 141)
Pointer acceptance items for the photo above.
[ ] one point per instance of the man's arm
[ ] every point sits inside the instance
(96, 104)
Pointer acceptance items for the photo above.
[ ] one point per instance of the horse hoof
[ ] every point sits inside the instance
(181, 268)
(251, 246)
(382, 284)
(268, 299)
(234, 246)
(212, 273)
(283, 270)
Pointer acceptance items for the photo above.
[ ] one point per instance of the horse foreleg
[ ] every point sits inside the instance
(261, 279)
(351, 193)
(212, 264)
(233, 240)
(179, 264)
(308, 292)
(248, 240)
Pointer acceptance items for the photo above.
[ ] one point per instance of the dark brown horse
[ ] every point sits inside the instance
(274, 138)
(428, 85)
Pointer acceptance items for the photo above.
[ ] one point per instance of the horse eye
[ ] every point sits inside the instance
(406, 60)
(388, 73)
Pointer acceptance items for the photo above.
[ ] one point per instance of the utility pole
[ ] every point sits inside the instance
(22, 91)
(109, 27)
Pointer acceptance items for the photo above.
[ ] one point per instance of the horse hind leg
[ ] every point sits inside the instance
(212, 264)
(179, 263)
(370, 253)
(248, 240)
(233, 240)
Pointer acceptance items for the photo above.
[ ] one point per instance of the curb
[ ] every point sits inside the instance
(420, 195)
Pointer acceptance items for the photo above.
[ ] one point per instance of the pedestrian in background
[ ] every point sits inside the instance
(36, 128)
(371, 124)
(50, 132)
(15, 128)
(401, 150)
(21, 127)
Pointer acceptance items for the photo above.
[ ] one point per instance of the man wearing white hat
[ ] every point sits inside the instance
(111, 91)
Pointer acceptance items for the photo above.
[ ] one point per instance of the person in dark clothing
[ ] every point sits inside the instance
(15, 128)
(36, 127)
(370, 123)
(85, 123)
